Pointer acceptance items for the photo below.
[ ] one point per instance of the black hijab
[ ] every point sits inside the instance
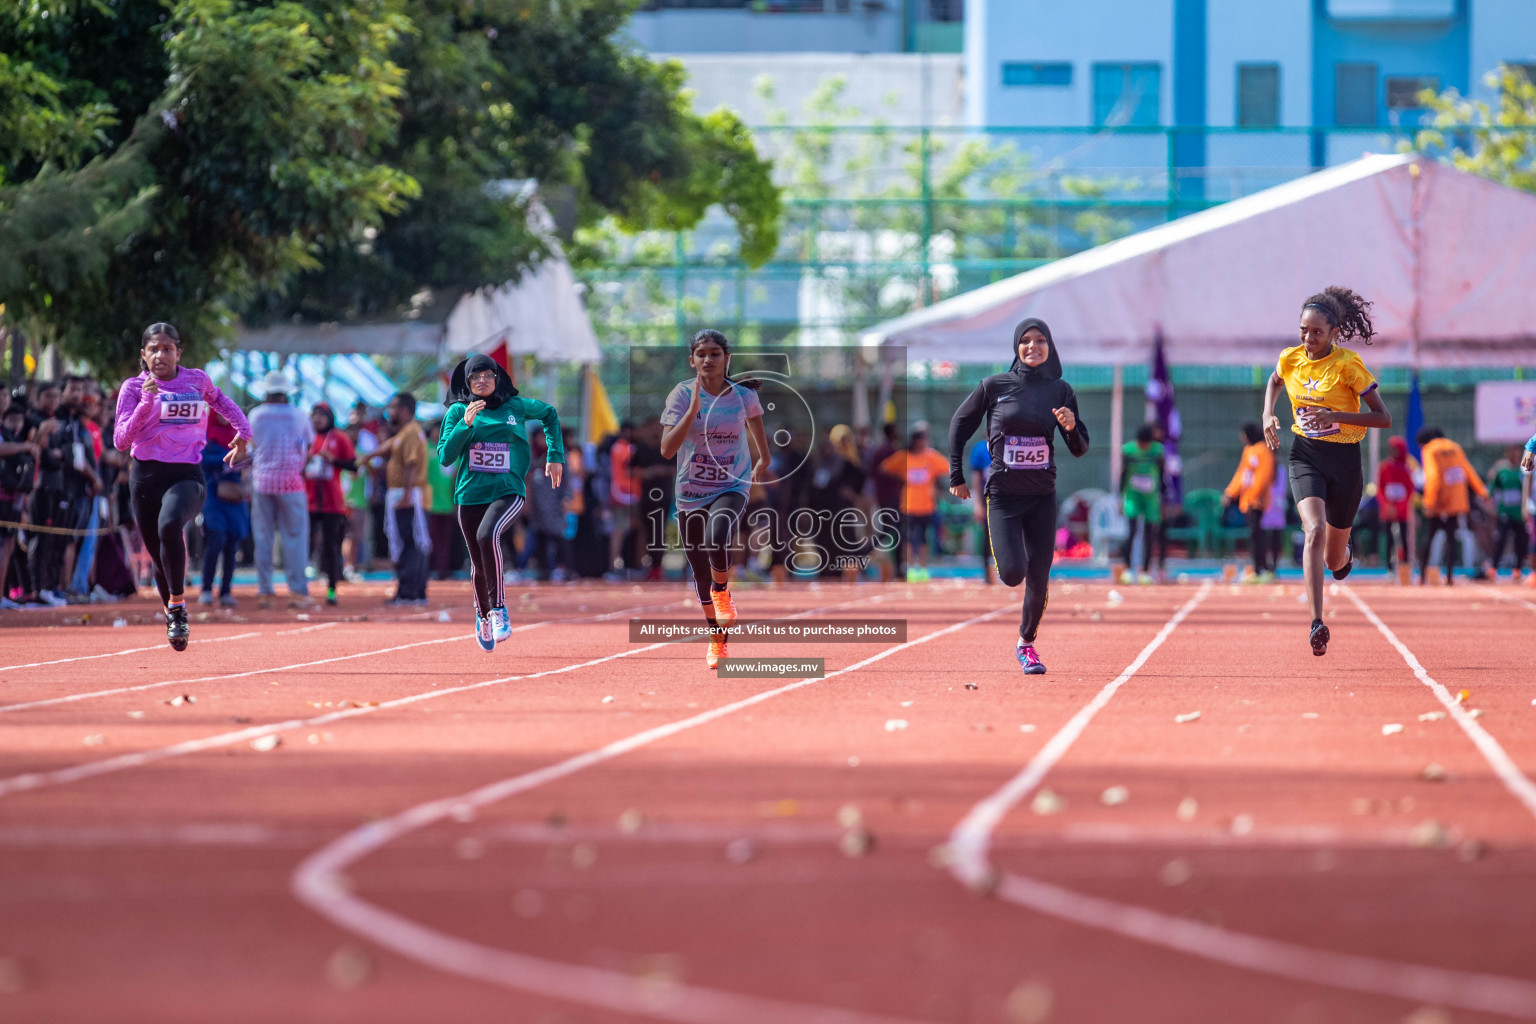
(1048, 370)
(458, 384)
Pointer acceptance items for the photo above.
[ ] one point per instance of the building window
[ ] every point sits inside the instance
(1258, 95)
(1354, 102)
(1016, 73)
(1403, 90)
(1126, 94)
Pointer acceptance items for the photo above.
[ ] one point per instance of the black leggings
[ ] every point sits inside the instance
(483, 526)
(215, 544)
(1432, 526)
(1149, 534)
(332, 527)
(165, 497)
(1514, 529)
(1023, 530)
(1258, 540)
(706, 534)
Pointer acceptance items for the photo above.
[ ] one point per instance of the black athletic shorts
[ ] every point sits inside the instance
(1329, 470)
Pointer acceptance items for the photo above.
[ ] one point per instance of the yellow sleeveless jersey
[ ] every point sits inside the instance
(1338, 381)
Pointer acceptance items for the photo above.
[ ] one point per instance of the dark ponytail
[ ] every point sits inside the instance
(1345, 310)
(751, 383)
(150, 332)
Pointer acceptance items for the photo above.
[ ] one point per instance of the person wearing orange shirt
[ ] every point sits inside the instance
(1250, 489)
(1447, 477)
(924, 471)
(1327, 385)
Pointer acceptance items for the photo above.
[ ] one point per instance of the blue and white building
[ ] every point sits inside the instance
(1322, 79)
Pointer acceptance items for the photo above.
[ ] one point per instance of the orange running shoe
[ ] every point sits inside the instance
(725, 608)
(716, 650)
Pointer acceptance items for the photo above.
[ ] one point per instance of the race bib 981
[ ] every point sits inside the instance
(490, 457)
(1026, 453)
(181, 409)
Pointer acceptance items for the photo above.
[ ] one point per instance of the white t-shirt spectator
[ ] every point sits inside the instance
(280, 437)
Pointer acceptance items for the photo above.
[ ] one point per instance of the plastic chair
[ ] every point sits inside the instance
(1106, 524)
(1204, 508)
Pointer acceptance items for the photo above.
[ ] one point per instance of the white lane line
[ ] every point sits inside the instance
(70, 698)
(37, 780)
(319, 883)
(970, 841)
(211, 640)
(1522, 602)
(58, 777)
(1516, 781)
(117, 654)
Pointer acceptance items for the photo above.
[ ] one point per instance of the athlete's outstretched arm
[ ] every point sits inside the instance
(1076, 435)
(672, 437)
(1267, 414)
(961, 426)
(453, 437)
(1376, 416)
(757, 440)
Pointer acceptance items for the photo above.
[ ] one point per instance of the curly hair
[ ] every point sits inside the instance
(1345, 310)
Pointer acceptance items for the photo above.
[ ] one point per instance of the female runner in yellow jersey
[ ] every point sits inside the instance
(1327, 385)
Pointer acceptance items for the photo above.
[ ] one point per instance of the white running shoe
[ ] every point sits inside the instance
(485, 634)
(501, 626)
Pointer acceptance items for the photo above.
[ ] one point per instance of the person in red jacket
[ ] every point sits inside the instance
(329, 454)
(1394, 500)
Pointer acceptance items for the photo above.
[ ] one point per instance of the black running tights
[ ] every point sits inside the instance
(1023, 530)
(483, 526)
(706, 534)
(165, 497)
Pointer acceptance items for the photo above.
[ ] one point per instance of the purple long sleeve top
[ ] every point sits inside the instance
(174, 426)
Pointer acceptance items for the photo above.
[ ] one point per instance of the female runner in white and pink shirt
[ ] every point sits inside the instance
(162, 421)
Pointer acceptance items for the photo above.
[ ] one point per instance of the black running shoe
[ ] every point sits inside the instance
(1339, 574)
(1319, 638)
(177, 629)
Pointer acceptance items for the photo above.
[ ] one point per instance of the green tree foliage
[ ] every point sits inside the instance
(1497, 141)
(190, 160)
(270, 121)
(518, 89)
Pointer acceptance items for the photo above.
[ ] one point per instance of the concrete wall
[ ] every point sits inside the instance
(1396, 47)
(865, 30)
(899, 89)
(1502, 31)
(1275, 32)
(1083, 33)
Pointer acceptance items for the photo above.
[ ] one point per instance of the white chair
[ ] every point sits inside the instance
(1106, 524)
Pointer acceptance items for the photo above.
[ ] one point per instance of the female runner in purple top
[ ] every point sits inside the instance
(162, 421)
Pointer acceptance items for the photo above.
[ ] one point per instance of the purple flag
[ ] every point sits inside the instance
(1164, 411)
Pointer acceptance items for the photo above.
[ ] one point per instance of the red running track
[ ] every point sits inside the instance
(445, 834)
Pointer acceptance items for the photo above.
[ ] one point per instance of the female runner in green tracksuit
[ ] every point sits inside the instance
(485, 433)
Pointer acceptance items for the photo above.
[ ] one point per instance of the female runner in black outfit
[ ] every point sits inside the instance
(1024, 408)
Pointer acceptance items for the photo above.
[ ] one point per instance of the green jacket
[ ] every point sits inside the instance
(493, 453)
(1505, 485)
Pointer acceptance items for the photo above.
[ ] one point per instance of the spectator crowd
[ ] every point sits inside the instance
(326, 501)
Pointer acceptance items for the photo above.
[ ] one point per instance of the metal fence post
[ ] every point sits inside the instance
(927, 189)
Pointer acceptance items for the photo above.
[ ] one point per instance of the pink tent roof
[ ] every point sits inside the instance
(1448, 258)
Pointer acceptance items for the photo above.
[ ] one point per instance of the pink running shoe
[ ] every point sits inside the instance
(1029, 661)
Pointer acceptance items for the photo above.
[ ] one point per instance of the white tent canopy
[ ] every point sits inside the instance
(1448, 258)
(541, 315)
